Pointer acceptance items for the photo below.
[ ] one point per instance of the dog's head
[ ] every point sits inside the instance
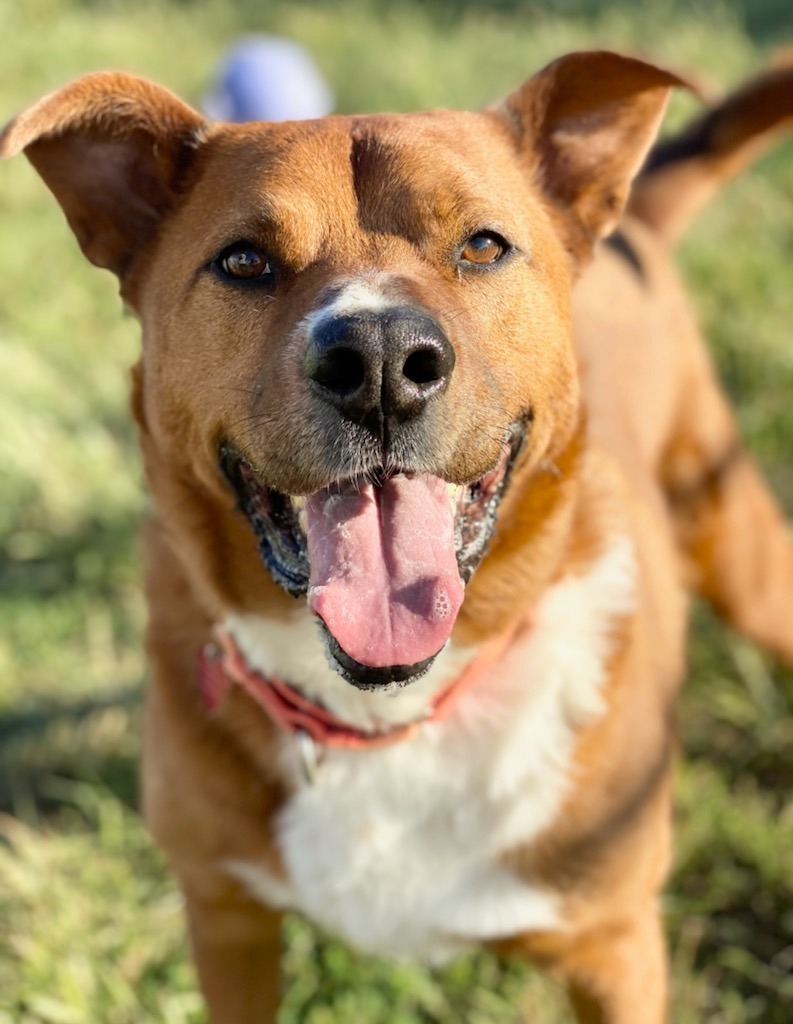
(355, 329)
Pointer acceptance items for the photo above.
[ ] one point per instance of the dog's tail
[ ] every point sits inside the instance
(682, 173)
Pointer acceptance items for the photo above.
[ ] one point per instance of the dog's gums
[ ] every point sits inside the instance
(383, 559)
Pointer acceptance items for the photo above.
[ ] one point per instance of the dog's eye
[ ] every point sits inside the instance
(244, 262)
(484, 247)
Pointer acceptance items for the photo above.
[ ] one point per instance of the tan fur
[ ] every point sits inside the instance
(346, 197)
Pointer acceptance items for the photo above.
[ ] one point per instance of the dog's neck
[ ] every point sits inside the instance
(223, 665)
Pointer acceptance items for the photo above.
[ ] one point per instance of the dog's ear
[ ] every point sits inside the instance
(113, 149)
(584, 124)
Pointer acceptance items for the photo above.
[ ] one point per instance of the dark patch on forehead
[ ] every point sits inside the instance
(414, 184)
(387, 200)
(361, 145)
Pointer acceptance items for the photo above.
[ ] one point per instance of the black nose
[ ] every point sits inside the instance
(394, 361)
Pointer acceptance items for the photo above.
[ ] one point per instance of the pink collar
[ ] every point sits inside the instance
(222, 664)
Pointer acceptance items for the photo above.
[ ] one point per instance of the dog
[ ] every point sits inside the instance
(436, 451)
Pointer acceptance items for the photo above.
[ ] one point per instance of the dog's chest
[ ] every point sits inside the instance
(398, 850)
(401, 855)
(401, 850)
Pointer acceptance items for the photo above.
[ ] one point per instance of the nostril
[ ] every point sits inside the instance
(429, 363)
(423, 366)
(340, 370)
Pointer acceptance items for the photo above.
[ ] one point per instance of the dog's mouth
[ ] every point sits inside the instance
(383, 558)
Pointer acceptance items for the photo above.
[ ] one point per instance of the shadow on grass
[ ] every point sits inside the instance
(37, 563)
(94, 741)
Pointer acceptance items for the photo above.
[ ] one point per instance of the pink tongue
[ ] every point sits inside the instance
(384, 573)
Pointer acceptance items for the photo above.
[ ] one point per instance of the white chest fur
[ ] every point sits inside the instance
(400, 850)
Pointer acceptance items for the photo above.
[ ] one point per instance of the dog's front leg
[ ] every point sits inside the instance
(618, 973)
(237, 950)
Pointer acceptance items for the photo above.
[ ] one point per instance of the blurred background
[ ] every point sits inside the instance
(91, 923)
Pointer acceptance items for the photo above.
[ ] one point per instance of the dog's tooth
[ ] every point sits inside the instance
(454, 491)
(299, 509)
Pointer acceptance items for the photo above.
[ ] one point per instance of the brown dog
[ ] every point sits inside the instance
(361, 347)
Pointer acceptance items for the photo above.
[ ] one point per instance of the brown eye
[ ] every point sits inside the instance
(244, 262)
(483, 248)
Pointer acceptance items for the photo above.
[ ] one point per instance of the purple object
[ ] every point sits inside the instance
(265, 78)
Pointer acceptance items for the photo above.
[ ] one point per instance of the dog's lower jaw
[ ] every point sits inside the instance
(388, 679)
(293, 648)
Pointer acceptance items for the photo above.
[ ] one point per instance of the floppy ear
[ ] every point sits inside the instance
(112, 148)
(584, 123)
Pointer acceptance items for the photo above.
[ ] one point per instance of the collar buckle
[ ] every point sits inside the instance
(309, 756)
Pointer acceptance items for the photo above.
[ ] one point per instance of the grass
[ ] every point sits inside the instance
(92, 926)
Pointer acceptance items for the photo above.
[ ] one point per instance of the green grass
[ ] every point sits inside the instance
(92, 929)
